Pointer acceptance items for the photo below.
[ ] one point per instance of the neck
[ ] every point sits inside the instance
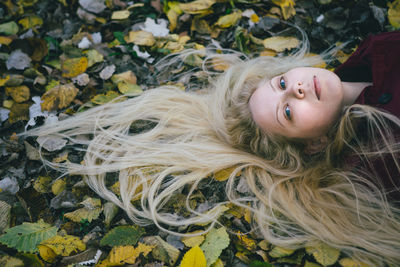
(352, 90)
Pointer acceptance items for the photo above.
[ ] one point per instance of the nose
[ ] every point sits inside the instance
(298, 90)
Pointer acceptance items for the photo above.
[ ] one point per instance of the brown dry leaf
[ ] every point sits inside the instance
(229, 20)
(18, 112)
(19, 93)
(287, 7)
(72, 67)
(140, 38)
(280, 43)
(30, 22)
(59, 97)
(40, 48)
(200, 26)
(394, 13)
(247, 242)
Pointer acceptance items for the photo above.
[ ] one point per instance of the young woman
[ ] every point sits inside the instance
(306, 140)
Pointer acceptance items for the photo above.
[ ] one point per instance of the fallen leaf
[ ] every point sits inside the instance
(5, 40)
(247, 242)
(173, 13)
(323, 253)
(40, 48)
(109, 211)
(31, 21)
(42, 184)
(95, 6)
(72, 67)
(216, 241)
(279, 252)
(5, 216)
(9, 28)
(59, 97)
(60, 246)
(224, 174)
(18, 60)
(19, 112)
(200, 26)
(27, 236)
(93, 57)
(157, 29)
(125, 254)
(107, 72)
(192, 241)
(19, 93)
(393, 13)
(140, 38)
(194, 258)
(347, 262)
(280, 43)
(101, 99)
(229, 20)
(8, 261)
(162, 250)
(122, 236)
(120, 15)
(197, 6)
(58, 186)
(90, 211)
(287, 7)
(51, 143)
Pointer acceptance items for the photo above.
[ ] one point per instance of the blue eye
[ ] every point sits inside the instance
(282, 83)
(287, 112)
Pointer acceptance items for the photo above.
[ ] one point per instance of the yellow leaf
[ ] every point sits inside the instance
(279, 252)
(58, 186)
(220, 65)
(104, 98)
(59, 97)
(140, 38)
(19, 93)
(287, 7)
(280, 43)
(173, 13)
(254, 18)
(224, 174)
(242, 256)
(74, 66)
(194, 258)
(347, 262)
(192, 241)
(18, 112)
(126, 83)
(5, 41)
(200, 26)
(229, 20)
(64, 245)
(8, 261)
(197, 6)
(93, 57)
(120, 15)
(31, 22)
(248, 243)
(91, 211)
(4, 80)
(42, 184)
(394, 13)
(120, 255)
(47, 253)
(323, 253)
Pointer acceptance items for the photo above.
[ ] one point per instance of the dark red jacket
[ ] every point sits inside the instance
(377, 60)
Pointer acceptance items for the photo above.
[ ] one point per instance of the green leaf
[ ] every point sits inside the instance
(27, 236)
(216, 241)
(260, 264)
(122, 236)
(9, 28)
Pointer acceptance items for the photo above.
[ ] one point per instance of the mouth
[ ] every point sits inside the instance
(317, 87)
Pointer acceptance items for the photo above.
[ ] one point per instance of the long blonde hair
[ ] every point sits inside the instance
(296, 199)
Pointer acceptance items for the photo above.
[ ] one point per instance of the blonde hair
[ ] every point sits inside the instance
(296, 199)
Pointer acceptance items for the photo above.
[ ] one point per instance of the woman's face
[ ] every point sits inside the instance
(301, 103)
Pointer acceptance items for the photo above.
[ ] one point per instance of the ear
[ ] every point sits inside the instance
(316, 145)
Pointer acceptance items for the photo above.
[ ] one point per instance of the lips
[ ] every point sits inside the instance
(317, 87)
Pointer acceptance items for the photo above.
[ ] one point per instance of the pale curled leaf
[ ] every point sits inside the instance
(280, 43)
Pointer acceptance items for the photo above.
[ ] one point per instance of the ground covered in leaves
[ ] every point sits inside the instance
(60, 57)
